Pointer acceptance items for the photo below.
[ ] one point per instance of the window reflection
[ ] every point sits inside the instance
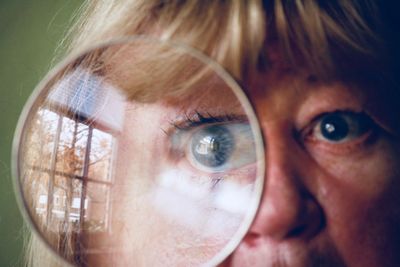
(68, 171)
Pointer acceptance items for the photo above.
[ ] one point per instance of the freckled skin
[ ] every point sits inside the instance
(324, 204)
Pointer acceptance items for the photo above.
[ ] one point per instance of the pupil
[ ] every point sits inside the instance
(212, 146)
(334, 128)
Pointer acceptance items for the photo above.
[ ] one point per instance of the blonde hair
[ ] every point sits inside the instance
(319, 35)
(334, 39)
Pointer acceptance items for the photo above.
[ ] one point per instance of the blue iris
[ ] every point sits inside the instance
(334, 127)
(212, 146)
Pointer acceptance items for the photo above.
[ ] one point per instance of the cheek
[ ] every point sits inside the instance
(360, 193)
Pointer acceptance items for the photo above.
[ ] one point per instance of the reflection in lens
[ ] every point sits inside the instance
(212, 146)
(220, 147)
(122, 161)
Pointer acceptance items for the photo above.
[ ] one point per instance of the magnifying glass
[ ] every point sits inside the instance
(139, 152)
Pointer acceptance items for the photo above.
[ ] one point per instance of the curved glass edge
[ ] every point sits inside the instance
(15, 152)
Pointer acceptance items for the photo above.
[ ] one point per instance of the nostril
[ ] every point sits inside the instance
(312, 222)
(298, 231)
(311, 227)
(318, 226)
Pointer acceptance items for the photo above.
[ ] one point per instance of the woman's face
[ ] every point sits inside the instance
(185, 174)
(332, 175)
(331, 182)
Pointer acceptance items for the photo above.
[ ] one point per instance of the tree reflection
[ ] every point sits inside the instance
(67, 171)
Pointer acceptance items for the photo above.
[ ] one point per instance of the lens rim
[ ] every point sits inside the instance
(40, 90)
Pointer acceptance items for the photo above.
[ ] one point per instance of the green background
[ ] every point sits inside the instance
(30, 31)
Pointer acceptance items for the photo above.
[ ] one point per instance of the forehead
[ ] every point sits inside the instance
(168, 75)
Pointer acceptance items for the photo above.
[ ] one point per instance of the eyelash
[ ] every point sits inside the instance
(198, 119)
(188, 122)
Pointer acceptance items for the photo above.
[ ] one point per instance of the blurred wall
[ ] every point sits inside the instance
(29, 33)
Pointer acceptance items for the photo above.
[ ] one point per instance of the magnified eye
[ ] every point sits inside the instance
(221, 147)
(212, 146)
(339, 127)
(216, 147)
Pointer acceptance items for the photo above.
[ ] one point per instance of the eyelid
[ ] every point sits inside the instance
(362, 120)
(315, 120)
(199, 118)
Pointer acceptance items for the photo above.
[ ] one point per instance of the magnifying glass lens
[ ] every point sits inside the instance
(143, 153)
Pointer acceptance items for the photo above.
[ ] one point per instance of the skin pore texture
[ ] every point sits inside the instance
(325, 202)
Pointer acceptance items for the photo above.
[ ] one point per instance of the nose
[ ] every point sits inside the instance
(288, 208)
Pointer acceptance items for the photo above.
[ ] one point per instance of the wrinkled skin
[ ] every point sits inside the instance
(330, 198)
(325, 203)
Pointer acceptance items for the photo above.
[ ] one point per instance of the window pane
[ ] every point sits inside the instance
(75, 202)
(80, 148)
(37, 186)
(72, 147)
(41, 138)
(98, 207)
(59, 209)
(100, 155)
